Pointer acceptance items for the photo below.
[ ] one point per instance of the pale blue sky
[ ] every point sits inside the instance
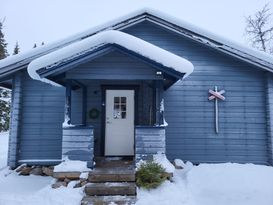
(34, 21)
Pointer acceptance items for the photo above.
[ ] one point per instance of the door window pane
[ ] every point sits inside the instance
(116, 99)
(123, 100)
(123, 107)
(119, 108)
(123, 115)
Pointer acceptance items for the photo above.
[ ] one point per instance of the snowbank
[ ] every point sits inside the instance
(207, 184)
(33, 190)
(4, 140)
(164, 162)
(72, 166)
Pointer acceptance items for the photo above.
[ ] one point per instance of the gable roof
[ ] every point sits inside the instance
(255, 57)
(176, 65)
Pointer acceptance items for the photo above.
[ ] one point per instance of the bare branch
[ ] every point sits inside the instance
(259, 29)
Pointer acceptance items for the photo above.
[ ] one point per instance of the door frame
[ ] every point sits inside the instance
(103, 109)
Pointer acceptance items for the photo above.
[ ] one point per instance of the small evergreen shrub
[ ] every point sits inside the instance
(150, 175)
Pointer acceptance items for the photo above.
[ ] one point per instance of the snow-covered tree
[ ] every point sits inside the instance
(4, 93)
(5, 98)
(3, 44)
(16, 49)
(259, 29)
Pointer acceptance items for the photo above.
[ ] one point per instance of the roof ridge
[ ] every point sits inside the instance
(246, 52)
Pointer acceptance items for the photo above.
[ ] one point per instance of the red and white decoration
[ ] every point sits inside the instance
(216, 95)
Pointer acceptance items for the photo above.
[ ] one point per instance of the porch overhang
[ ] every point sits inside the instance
(56, 73)
(51, 67)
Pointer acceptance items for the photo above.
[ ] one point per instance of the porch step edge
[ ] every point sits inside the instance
(66, 175)
(111, 177)
(110, 189)
(105, 200)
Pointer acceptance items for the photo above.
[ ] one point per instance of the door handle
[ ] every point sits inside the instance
(108, 122)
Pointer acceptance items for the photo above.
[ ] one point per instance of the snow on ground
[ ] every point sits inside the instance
(72, 165)
(162, 159)
(4, 139)
(31, 190)
(206, 184)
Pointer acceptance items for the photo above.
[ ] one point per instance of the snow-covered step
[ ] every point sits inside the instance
(105, 200)
(111, 175)
(109, 188)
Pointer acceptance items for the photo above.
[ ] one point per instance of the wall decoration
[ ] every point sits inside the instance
(215, 95)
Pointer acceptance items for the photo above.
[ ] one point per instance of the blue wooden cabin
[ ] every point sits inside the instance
(109, 99)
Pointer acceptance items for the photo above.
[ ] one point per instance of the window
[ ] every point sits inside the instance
(119, 108)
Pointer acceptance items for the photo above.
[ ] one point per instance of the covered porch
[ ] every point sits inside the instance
(89, 119)
(114, 95)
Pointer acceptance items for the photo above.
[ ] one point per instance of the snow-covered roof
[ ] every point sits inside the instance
(132, 43)
(245, 53)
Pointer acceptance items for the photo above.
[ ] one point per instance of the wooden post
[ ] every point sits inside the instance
(16, 112)
(216, 113)
(84, 105)
(67, 112)
(158, 99)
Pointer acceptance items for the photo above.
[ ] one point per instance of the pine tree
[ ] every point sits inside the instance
(35, 45)
(3, 44)
(43, 43)
(4, 93)
(5, 100)
(16, 49)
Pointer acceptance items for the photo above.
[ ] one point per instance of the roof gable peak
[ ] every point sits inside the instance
(255, 57)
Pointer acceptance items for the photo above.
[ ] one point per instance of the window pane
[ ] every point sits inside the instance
(123, 107)
(123, 115)
(119, 108)
(117, 114)
(116, 99)
(116, 106)
(123, 99)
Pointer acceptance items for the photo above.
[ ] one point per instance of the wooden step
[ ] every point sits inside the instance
(106, 200)
(111, 175)
(66, 175)
(110, 163)
(108, 189)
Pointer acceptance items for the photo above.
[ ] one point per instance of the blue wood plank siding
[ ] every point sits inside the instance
(149, 141)
(245, 130)
(15, 120)
(78, 144)
(41, 122)
(114, 65)
(190, 135)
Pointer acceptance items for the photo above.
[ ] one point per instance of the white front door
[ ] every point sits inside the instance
(119, 123)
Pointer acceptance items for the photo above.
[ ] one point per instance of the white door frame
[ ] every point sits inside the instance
(118, 88)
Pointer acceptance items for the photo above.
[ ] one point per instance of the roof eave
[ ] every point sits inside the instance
(65, 66)
(139, 17)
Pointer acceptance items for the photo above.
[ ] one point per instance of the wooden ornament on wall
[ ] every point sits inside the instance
(215, 95)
